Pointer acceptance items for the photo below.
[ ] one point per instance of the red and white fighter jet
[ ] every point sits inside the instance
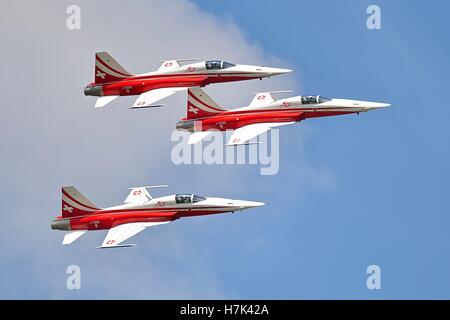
(139, 211)
(264, 112)
(112, 80)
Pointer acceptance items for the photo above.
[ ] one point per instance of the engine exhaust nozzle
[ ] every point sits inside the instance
(93, 91)
(63, 224)
(186, 125)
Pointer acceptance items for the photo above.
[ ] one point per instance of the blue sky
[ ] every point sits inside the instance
(388, 205)
(352, 191)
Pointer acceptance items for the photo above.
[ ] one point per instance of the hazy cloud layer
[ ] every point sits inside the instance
(50, 135)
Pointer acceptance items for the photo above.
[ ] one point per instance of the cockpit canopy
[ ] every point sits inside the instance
(218, 64)
(314, 99)
(188, 198)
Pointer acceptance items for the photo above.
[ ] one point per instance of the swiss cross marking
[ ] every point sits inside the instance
(193, 109)
(160, 203)
(100, 74)
(67, 208)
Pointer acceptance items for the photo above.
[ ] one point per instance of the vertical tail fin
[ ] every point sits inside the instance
(200, 105)
(75, 204)
(107, 69)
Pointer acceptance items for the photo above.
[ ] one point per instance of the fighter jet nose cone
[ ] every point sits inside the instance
(378, 105)
(273, 71)
(252, 204)
(256, 204)
(368, 105)
(276, 71)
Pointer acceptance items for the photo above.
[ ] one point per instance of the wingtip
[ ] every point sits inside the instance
(147, 107)
(117, 246)
(243, 144)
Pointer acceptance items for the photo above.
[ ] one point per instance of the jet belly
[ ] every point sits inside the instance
(136, 86)
(219, 78)
(234, 121)
(109, 220)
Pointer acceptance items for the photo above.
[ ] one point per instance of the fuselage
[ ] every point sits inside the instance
(292, 109)
(160, 209)
(198, 74)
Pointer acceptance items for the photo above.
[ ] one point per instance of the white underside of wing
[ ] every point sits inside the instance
(122, 232)
(243, 134)
(198, 136)
(147, 99)
(103, 101)
(72, 236)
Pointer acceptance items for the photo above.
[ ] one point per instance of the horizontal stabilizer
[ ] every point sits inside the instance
(198, 136)
(72, 236)
(103, 101)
